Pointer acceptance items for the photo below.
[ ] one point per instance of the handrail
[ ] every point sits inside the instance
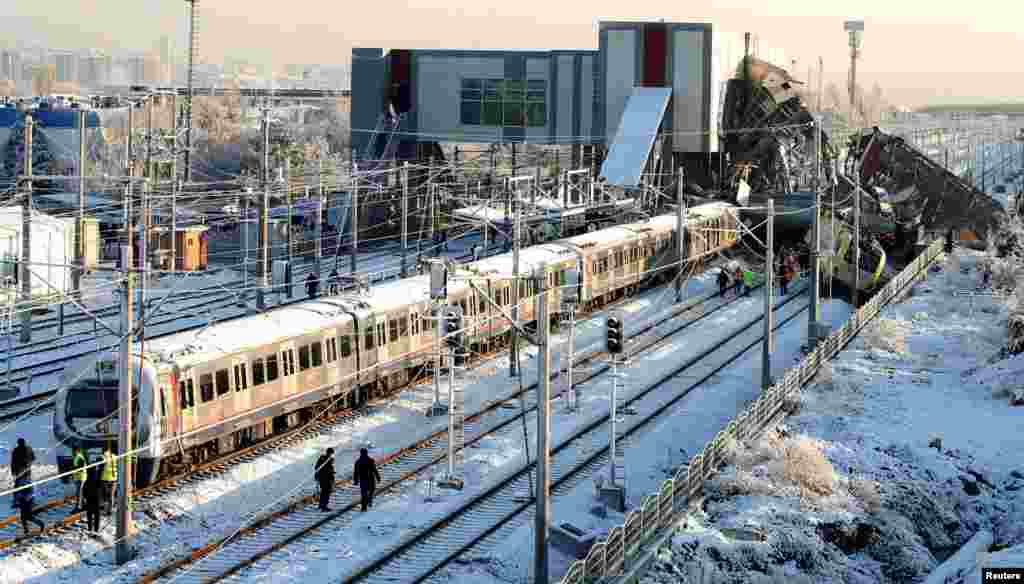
(661, 510)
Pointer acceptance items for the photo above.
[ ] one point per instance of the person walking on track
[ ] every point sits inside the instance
(748, 282)
(737, 277)
(24, 500)
(108, 475)
(366, 476)
(78, 463)
(21, 460)
(324, 475)
(723, 283)
(93, 492)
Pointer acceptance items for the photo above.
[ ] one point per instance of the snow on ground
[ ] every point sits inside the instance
(653, 457)
(902, 449)
(193, 515)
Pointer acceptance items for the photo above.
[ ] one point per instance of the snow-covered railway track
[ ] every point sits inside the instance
(268, 536)
(423, 555)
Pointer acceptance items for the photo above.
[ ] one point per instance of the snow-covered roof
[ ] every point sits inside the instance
(601, 238)
(193, 346)
(530, 258)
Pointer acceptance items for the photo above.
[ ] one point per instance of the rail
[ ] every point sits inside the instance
(660, 510)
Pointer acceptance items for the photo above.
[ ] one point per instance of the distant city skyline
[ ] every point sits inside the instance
(919, 54)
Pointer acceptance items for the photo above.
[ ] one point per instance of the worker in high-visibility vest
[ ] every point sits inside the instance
(109, 474)
(78, 463)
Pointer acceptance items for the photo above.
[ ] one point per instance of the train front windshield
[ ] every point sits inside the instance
(92, 400)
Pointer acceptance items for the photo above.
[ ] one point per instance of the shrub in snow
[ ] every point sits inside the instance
(804, 464)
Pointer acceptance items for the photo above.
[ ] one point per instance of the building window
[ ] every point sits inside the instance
(504, 102)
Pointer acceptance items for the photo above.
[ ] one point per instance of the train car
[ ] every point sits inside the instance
(208, 392)
(838, 236)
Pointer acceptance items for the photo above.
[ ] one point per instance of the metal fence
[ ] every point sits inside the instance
(661, 510)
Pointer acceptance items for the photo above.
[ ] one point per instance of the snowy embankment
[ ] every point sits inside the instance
(903, 449)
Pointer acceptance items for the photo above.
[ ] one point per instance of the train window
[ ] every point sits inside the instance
(381, 339)
(241, 381)
(369, 339)
(223, 382)
(346, 347)
(271, 368)
(331, 351)
(163, 404)
(403, 327)
(182, 396)
(316, 354)
(191, 394)
(303, 357)
(288, 362)
(206, 387)
(258, 374)
(393, 330)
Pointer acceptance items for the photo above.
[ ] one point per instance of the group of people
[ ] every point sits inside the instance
(743, 280)
(365, 475)
(93, 484)
(333, 284)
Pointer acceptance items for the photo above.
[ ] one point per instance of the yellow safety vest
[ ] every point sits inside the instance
(79, 464)
(109, 467)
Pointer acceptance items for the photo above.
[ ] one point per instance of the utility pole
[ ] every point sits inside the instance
(856, 237)
(124, 400)
(318, 244)
(79, 270)
(815, 315)
(26, 239)
(193, 50)
(288, 240)
(680, 233)
(144, 259)
(513, 365)
(405, 217)
(543, 512)
(263, 271)
(354, 252)
(769, 298)
(175, 184)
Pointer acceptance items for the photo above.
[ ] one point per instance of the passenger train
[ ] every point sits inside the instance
(205, 393)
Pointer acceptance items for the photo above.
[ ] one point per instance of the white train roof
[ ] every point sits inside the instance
(530, 258)
(188, 348)
(601, 238)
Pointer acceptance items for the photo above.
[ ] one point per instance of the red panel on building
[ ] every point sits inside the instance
(401, 80)
(655, 55)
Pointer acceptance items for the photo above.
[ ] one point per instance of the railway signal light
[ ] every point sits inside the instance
(613, 335)
(453, 329)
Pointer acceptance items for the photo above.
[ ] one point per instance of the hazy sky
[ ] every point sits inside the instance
(918, 51)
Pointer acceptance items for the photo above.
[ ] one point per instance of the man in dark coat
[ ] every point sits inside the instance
(325, 478)
(24, 500)
(93, 494)
(311, 285)
(723, 283)
(21, 460)
(366, 476)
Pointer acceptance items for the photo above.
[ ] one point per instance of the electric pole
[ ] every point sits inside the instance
(263, 271)
(193, 49)
(680, 233)
(405, 217)
(769, 297)
(124, 400)
(79, 270)
(174, 183)
(543, 512)
(855, 30)
(513, 365)
(815, 314)
(26, 238)
(856, 237)
(354, 251)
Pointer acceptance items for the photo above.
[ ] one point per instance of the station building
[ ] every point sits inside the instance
(644, 78)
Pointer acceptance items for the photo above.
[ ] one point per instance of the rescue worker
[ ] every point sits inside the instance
(365, 475)
(21, 460)
(24, 500)
(748, 282)
(93, 493)
(324, 475)
(737, 277)
(108, 476)
(78, 463)
(723, 283)
(311, 286)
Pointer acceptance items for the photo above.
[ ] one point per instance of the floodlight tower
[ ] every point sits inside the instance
(855, 30)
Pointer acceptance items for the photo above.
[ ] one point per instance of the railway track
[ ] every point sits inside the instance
(269, 535)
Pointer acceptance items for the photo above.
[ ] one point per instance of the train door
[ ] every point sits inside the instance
(187, 400)
(309, 373)
(167, 407)
(243, 400)
(369, 356)
(286, 362)
(332, 355)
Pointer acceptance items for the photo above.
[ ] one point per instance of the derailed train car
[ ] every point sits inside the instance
(203, 393)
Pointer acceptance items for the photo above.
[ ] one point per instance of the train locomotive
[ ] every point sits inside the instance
(200, 394)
